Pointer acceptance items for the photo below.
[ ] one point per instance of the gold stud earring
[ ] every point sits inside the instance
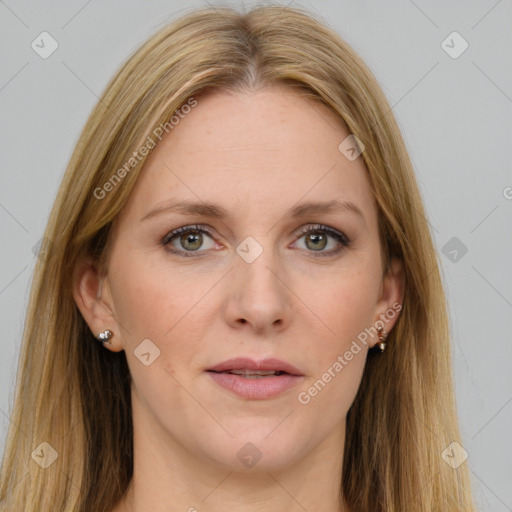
(381, 345)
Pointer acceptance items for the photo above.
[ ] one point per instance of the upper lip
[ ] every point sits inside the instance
(245, 363)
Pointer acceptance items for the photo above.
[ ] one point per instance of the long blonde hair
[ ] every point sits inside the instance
(74, 395)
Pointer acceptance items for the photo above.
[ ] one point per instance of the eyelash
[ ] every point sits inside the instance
(341, 238)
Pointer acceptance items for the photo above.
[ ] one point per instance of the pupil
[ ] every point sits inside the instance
(316, 237)
(195, 240)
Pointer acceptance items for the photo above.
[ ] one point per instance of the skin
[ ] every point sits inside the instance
(257, 154)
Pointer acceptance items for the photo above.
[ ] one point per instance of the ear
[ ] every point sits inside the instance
(391, 297)
(91, 292)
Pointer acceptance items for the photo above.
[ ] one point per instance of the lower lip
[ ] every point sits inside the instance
(257, 388)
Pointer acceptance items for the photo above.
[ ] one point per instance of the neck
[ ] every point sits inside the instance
(271, 491)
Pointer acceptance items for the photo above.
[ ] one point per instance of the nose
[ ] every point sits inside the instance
(259, 298)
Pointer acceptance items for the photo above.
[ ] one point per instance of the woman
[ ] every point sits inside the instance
(241, 306)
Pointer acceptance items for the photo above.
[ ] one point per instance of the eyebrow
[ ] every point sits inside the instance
(216, 211)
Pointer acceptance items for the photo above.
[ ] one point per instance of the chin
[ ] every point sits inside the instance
(255, 449)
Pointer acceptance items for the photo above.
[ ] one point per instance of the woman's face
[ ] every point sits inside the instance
(247, 287)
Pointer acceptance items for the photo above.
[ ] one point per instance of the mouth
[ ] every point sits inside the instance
(253, 374)
(255, 380)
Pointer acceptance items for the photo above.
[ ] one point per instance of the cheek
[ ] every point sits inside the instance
(148, 297)
(140, 300)
(338, 356)
(160, 304)
(345, 306)
(327, 398)
(355, 299)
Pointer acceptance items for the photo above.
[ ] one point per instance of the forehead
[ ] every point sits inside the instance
(271, 148)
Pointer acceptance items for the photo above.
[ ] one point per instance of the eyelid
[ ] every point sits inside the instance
(308, 228)
(184, 229)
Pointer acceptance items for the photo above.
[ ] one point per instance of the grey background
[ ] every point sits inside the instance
(454, 114)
